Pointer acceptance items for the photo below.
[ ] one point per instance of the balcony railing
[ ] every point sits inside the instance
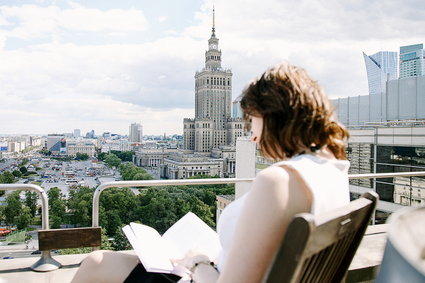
(46, 257)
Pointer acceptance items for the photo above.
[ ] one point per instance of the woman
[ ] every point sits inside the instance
(291, 120)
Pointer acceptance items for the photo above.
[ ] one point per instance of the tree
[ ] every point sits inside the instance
(80, 206)
(7, 178)
(13, 207)
(81, 156)
(23, 170)
(157, 209)
(113, 222)
(129, 171)
(101, 155)
(142, 176)
(56, 207)
(119, 206)
(120, 242)
(31, 201)
(124, 155)
(112, 160)
(24, 219)
(2, 216)
(17, 173)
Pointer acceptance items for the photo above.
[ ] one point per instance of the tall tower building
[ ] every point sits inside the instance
(213, 125)
(380, 67)
(136, 133)
(412, 62)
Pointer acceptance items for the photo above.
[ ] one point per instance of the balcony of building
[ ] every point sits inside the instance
(362, 269)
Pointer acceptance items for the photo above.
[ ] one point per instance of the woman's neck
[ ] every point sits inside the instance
(323, 152)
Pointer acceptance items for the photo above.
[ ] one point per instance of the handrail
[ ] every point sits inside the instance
(46, 262)
(41, 193)
(156, 183)
(151, 183)
(386, 175)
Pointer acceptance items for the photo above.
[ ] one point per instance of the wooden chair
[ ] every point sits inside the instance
(320, 248)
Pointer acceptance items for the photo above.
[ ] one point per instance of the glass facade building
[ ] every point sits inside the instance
(412, 62)
(380, 67)
(389, 150)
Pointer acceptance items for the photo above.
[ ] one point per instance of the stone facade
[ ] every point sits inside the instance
(183, 166)
(73, 148)
(209, 139)
(213, 125)
(148, 157)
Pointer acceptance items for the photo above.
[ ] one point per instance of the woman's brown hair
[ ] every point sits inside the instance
(296, 112)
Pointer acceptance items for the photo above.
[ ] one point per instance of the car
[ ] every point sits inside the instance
(7, 257)
(37, 252)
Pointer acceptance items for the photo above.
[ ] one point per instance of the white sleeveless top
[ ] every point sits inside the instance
(326, 179)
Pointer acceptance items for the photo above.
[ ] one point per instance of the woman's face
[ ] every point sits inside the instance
(256, 128)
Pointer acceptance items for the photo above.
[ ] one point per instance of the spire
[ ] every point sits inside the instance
(213, 26)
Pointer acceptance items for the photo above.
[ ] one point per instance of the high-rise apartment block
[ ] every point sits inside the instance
(136, 133)
(412, 62)
(213, 125)
(381, 67)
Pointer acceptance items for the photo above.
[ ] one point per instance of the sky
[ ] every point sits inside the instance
(104, 64)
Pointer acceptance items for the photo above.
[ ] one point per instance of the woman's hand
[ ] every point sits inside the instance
(191, 258)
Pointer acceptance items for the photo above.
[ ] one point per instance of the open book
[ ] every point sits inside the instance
(156, 253)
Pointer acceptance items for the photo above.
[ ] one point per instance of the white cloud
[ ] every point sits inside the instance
(325, 37)
(55, 86)
(33, 21)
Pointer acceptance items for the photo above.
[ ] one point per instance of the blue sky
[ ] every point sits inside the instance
(103, 65)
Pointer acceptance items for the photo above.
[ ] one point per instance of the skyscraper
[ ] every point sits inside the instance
(213, 125)
(135, 133)
(412, 62)
(209, 139)
(380, 67)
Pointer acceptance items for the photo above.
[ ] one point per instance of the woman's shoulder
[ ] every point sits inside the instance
(272, 177)
(273, 173)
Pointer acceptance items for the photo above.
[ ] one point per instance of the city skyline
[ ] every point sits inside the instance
(103, 65)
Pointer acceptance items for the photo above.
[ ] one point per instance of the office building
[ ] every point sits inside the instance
(56, 144)
(135, 133)
(412, 62)
(381, 67)
(236, 108)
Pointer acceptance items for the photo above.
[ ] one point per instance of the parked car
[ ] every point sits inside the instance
(4, 232)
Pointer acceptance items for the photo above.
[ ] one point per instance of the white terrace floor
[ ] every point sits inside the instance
(363, 267)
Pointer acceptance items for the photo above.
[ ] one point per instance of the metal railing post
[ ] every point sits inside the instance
(46, 262)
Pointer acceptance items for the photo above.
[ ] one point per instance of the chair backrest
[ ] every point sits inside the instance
(320, 248)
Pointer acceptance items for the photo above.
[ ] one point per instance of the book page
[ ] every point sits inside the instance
(151, 249)
(191, 233)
